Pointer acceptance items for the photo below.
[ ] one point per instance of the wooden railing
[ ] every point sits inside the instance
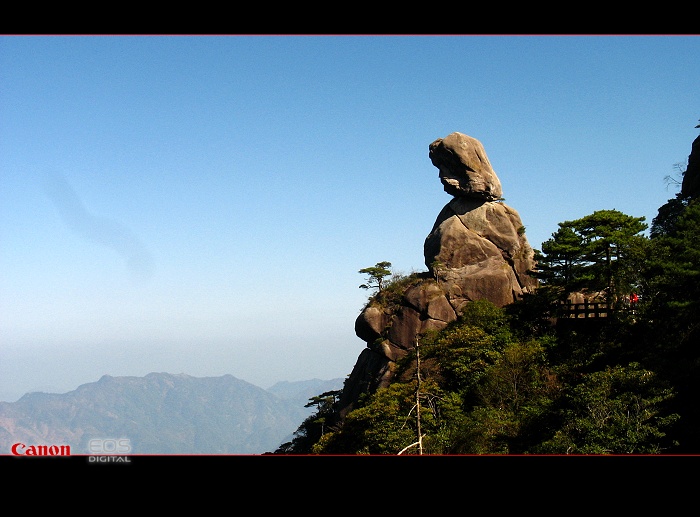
(585, 310)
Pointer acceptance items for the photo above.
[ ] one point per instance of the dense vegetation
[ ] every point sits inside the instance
(524, 380)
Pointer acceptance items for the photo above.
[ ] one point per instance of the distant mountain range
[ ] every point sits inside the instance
(163, 413)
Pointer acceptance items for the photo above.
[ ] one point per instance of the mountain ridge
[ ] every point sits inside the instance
(163, 413)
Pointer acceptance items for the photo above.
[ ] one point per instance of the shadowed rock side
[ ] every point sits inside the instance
(691, 178)
(476, 250)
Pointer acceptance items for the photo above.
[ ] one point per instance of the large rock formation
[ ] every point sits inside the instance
(476, 250)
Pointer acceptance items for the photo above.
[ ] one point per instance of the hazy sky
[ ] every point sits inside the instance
(202, 204)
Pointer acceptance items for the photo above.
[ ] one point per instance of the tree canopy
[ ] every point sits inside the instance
(376, 275)
(599, 252)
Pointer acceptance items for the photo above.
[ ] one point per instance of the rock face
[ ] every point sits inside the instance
(476, 250)
(691, 179)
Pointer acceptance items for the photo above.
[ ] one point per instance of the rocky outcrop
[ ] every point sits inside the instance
(476, 250)
(691, 178)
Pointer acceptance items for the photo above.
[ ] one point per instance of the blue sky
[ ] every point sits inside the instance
(202, 204)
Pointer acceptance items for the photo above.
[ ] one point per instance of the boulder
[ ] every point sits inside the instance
(464, 168)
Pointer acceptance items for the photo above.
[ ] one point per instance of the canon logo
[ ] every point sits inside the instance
(19, 449)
